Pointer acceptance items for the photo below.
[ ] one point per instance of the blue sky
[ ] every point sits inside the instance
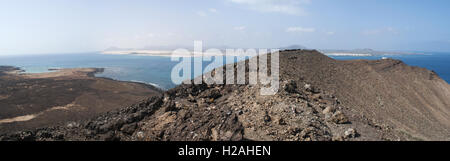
(70, 26)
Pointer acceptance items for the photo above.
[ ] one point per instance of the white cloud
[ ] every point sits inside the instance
(239, 28)
(389, 30)
(212, 10)
(201, 13)
(371, 32)
(291, 7)
(330, 33)
(171, 34)
(300, 29)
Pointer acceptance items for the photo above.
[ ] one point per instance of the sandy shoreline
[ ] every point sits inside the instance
(64, 72)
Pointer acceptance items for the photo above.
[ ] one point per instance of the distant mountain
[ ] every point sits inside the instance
(293, 47)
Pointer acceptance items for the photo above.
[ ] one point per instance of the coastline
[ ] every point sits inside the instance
(52, 72)
(35, 100)
(80, 73)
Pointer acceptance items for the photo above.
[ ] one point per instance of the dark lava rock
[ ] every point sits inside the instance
(339, 118)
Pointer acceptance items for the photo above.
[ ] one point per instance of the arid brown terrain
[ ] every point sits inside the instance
(320, 99)
(30, 101)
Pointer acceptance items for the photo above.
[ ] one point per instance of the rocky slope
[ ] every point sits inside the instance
(320, 99)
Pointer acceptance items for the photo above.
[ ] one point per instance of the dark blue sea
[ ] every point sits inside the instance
(156, 70)
(438, 62)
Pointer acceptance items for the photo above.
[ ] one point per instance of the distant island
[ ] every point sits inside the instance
(363, 52)
(158, 51)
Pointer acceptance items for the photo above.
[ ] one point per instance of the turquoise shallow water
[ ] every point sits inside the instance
(157, 70)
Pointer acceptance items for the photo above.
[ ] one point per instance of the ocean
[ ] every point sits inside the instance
(156, 70)
(438, 62)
